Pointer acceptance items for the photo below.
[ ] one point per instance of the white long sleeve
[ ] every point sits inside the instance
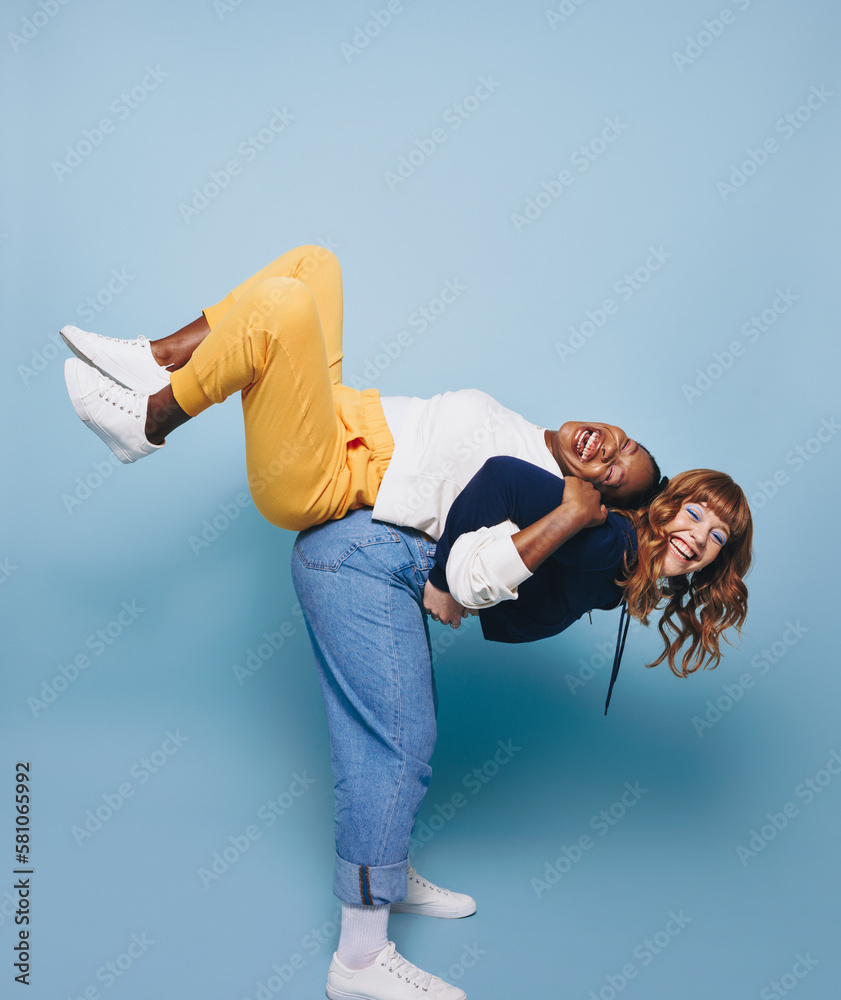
(484, 567)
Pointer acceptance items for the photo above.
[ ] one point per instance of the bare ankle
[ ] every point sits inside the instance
(160, 352)
(163, 415)
(152, 431)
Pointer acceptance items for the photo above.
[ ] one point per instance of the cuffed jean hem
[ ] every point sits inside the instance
(370, 885)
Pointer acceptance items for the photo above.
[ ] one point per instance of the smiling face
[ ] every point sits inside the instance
(695, 536)
(603, 455)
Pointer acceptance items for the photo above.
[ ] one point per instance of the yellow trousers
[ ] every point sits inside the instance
(315, 448)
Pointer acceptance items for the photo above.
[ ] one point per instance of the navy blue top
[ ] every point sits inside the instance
(575, 579)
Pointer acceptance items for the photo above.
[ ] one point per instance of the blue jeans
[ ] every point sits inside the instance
(360, 584)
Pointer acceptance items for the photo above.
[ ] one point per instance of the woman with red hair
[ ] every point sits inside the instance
(690, 547)
(701, 602)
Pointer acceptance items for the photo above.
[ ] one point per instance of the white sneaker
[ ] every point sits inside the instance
(115, 414)
(428, 899)
(127, 362)
(390, 977)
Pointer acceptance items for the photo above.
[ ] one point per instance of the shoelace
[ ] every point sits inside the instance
(417, 878)
(137, 342)
(429, 885)
(394, 962)
(123, 393)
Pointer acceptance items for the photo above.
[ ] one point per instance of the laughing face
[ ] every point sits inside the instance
(603, 455)
(695, 536)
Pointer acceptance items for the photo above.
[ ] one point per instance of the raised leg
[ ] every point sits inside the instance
(319, 269)
(315, 266)
(276, 339)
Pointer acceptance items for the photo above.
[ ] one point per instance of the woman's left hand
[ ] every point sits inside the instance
(443, 607)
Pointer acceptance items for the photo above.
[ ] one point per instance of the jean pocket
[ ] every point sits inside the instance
(327, 546)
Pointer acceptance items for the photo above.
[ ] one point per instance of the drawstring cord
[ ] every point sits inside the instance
(620, 646)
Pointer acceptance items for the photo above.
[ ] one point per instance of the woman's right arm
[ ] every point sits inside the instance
(580, 508)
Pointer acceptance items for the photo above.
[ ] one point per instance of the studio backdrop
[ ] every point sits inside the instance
(593, 210)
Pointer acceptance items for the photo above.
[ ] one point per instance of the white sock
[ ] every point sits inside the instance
(364, 934)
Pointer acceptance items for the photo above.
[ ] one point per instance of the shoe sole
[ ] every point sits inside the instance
(74, 391)
(342, 995)
(429, 910)
(134, 385)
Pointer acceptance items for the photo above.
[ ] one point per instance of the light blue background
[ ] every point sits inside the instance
(69, 566)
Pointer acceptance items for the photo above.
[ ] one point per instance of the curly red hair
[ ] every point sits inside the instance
(701, 607)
